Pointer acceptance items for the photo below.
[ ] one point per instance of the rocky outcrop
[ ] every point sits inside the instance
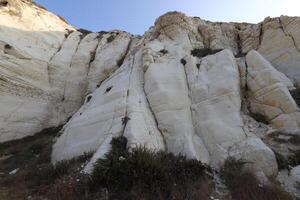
(186, 86)
(270, 95)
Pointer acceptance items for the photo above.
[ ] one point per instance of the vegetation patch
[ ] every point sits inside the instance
(281, 137)
(111, 38)
(27, 155)
(296, 95)
(84, 31)
(245, 186)
(144, 174)
(200, 53)
(288, 162)
(259, 118)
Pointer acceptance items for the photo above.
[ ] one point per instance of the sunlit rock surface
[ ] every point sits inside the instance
(185, 86)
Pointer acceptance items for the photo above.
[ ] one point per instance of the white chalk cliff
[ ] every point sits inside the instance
(185, 86)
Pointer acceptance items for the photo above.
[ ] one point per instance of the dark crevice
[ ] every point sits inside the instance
(89, 98)
(3, 3)
(261, 34)
(93, 53)
(68, 33)
(204, 52)
(121, 60)
(92, 56)
(108, 89)
(71, 63)
(125, 120)
(183, 61)
(7, 46)
(296, 95)
(163, 51)
(245, 90)
(239, 44)
(198, 66)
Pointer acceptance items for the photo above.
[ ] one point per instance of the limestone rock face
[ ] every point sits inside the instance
(182, 87)
(270, 95)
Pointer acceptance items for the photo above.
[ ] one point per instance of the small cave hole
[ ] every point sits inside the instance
(198, 65)
(204, 52)
(7, 46)
(4, 3)
(108, 89)
(89, 98)
(163, 51)
(183, 62)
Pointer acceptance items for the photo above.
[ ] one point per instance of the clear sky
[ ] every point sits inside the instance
(136, 16)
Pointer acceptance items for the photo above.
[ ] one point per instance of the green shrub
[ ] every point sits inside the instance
(142, 171)
(245, 186)
(48, 173)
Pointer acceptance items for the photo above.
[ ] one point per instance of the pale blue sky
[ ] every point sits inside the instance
(136, 16)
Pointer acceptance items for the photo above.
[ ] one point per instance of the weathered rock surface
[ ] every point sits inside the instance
(270, 95)
(185, 86)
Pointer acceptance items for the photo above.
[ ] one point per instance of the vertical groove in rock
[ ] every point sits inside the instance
(261, 35)
(126, 118)
(66, 78)
(93, 55)
(51, 58)
(238, 41)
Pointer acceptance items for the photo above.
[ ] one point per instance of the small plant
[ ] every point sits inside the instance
(204, 52)
(125, 120)
(282, 162)
(259, 118)
(110, 38)
(285, 138)
(144, 174)
(245, 186)
(84, 31)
